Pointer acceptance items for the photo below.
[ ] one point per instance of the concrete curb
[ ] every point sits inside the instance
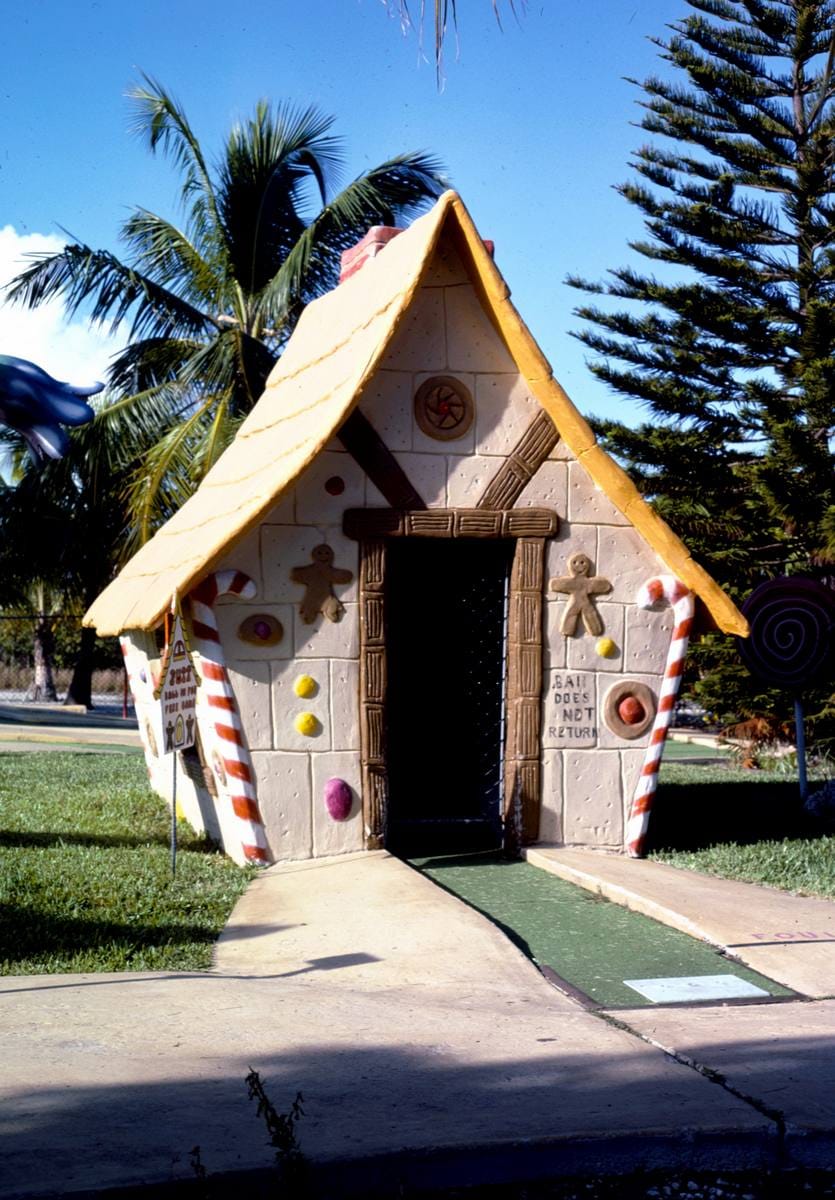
(548, 1159)
(69, 736)
(617, 893)
(477, 1165)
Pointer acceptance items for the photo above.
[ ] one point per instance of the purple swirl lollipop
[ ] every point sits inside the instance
(792, 638)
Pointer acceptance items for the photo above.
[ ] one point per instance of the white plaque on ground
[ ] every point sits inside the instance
(694, 987)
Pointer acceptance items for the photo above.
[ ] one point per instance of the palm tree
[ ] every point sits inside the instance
(212, 304)
(35, 603)
(444, 16)
(65, 526)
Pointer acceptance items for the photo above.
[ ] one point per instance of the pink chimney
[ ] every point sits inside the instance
(355, 258)
(377, 238)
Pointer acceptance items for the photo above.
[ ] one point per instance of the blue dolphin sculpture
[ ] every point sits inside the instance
(36, 405)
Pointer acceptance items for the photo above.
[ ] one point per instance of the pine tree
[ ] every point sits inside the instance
(730, 343)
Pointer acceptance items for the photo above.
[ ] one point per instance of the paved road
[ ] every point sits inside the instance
(40, 727)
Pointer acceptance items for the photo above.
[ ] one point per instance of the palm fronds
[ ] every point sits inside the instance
(209, 303)
(109, 290)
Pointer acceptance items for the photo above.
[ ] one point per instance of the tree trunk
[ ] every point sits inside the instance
(80, 690)
(43, 685)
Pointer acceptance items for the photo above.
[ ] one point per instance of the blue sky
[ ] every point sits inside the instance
(535, 124)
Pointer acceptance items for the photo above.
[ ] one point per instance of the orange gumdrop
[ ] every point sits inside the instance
(631, 711)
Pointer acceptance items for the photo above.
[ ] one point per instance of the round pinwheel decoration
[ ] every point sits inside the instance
(443, 408)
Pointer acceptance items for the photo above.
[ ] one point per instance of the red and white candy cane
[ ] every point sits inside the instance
(664, 587)
(225, 728)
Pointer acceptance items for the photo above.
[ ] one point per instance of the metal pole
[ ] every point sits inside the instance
(174, 816)
(800, 739)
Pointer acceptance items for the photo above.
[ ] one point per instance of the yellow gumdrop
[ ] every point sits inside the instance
(307, 724)
(305, 685)
(606, 648)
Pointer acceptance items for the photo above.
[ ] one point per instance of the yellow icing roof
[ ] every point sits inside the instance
(334, 350)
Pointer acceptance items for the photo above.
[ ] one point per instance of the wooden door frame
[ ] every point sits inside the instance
(529, 528)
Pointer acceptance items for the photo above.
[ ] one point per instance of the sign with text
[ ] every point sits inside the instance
(571, 716)
(177, 691)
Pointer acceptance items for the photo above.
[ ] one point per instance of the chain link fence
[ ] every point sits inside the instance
(39, 653)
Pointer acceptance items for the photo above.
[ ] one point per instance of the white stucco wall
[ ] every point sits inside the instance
(291, 769)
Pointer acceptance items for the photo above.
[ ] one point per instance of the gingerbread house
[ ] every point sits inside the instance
(412, 585)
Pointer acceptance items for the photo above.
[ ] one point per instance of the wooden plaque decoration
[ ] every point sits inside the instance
(444, 408)
(371, 524)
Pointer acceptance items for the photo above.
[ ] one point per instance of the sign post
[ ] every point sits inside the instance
(177, 694)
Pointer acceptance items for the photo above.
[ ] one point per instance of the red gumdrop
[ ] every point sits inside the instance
(339, 799)
(631, 711)
(335, 486)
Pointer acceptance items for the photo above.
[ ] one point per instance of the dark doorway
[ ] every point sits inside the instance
(446, 622)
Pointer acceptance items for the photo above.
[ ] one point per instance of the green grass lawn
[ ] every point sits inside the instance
(741, 824)
(804, 865)
(85, 873)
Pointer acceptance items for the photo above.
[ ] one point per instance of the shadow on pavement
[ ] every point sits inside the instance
(394, 1115)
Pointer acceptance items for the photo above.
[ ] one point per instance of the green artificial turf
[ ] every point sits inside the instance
(85, 873)
(588, 941)
(692, 750)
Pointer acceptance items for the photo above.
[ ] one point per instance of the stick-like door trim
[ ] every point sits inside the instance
(530, 527)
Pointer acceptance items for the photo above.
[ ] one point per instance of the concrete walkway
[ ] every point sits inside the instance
(427, 1048)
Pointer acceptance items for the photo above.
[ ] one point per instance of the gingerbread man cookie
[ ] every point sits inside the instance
(582, 587)
(318, 580)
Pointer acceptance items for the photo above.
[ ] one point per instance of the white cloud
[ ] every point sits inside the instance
(75, 351)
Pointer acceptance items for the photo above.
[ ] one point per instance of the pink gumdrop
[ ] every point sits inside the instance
(338, 799)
